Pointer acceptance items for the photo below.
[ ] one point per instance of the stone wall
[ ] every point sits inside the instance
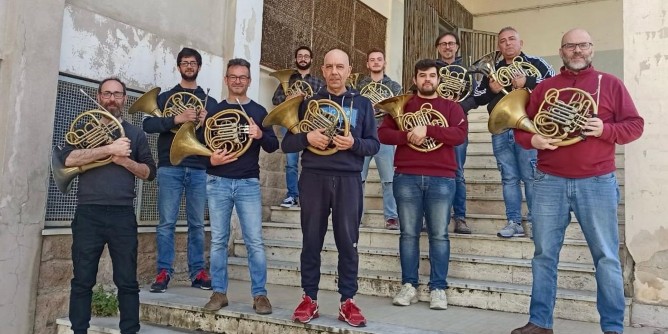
(55, 273)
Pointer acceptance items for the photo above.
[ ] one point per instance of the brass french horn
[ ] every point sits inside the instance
(87, 131)
(426, 115)
(353, 79)
(376, 92)
(297, 87)
(175, 105)
(456, 83)
(320, 114)
(562, 114)
(227, 129)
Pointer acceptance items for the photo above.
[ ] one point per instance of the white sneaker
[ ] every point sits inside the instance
(439, 301)
(405, 297)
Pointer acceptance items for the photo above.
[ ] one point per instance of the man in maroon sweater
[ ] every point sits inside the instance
(424, 184)
(581, 178)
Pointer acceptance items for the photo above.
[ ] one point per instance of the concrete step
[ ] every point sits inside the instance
(183, 308)
(478, 183)
(506, 297)
(479, 223)
(110, 326)
(474, 173)
(575, 251)
(496, 269)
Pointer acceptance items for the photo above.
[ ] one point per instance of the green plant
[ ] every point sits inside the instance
(105, 303)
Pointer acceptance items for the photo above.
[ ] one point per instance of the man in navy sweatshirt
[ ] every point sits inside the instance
(579, 178)
(424, 183)
(234, 182)
(189, 176)
(333, 182)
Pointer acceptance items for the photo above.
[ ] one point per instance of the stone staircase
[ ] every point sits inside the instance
(485, 271)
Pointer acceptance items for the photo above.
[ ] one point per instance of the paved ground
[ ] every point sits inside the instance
(454, 320)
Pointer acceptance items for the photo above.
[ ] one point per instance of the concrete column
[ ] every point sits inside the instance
(29, 48)
(645, 73)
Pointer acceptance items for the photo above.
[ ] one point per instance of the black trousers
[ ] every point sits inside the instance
(342, 196)
(93, 227)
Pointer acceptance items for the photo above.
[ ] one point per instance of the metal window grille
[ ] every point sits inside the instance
(69, 103)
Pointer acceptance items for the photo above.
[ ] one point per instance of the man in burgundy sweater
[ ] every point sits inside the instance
(581, 178)
(424, 184)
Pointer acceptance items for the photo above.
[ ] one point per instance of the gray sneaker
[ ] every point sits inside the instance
(513, 229)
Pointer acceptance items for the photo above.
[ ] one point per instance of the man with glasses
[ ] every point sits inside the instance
(514, 162)
(303, 59)
(105, 214)
(585, 185)
(375, 63)
(234, 183)
(188, 176)
(447, 45)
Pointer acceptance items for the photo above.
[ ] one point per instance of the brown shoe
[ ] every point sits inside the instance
(218, 300)
(461, 227)
(530, 328)
(261, 305)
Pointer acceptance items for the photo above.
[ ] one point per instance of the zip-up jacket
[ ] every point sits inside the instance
(164, 126)
(348, 162)
(593, 156)
(483, 95)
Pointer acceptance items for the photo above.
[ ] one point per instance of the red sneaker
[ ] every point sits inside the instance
(350, 313)
(306, 310)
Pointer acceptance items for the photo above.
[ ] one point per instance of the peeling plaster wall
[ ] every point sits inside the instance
(646, 67)
(602, 18)
(30, 44)
(245, 19)
(197, 23)
(95, 47)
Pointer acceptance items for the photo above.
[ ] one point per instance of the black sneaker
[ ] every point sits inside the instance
(202, 281)
(289, 202)
(161, 281)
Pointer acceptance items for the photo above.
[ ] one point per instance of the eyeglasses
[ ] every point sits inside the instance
(305, 57)
(117, 95)
(242, 78)
(445, 44)
(571, 46)
(188, 63)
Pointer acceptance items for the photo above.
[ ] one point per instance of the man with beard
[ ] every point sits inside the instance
(303, 59)
(105, 214)
(332, 184)
(234, 183)
(514, 162)
(580, 178)
(375, 62)
(188, 176)
(447, 45)
(424, 184)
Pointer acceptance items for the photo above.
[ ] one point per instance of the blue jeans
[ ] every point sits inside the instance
(385, 164)
(515, 164)
(594, 201)
(291, 171)
(243, 194)
(459, 203)
(429, 197)
(172, 181)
